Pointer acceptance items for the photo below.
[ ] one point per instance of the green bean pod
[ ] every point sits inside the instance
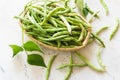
(70, 69)
(99, 59)
(96, 37)
(89, 63)
(104, 6)
(49, 66)
(101, 30)
(115, 30)
(71, 65)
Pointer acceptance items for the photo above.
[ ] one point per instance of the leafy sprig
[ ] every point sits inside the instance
(32, 59)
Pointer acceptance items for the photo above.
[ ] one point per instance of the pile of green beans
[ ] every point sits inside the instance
(54, 25)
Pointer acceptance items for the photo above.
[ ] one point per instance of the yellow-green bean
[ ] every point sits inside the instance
(96, 37)
(92, 12)
(53, 38)
(99, 59)
(89, 63)
(71, 65)
(49, 66)
(53, 22)
(105, 6)
(102, 29)
(70, 69)
(115, 30)
(50, 14)
(82, 34)
(95, 13)
(66, 23)
(80, 5)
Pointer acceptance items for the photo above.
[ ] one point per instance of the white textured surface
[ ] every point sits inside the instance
(17, 68)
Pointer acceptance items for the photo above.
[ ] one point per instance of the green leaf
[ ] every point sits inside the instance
(85, 11)
(16, 49)
(35, 59)
(31, 46)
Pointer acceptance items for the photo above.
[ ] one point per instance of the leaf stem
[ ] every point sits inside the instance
(23, 41)
(22, 36)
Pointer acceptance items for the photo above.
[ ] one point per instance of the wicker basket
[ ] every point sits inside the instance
(62, 49)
